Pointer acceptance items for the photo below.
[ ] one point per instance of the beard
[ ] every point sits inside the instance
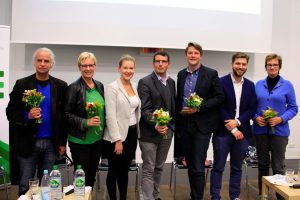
(238, 73)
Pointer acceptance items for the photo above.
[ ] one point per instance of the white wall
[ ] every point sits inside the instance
(286, 31)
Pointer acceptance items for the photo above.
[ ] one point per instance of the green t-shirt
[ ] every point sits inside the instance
(93, 133)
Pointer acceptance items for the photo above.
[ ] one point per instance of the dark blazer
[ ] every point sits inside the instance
(152, 98)
(26, 130)
(247, 105)
(207, 87)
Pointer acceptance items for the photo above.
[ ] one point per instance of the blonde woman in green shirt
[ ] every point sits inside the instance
(85, 115)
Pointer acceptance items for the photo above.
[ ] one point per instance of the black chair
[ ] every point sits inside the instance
(103, 166)
(4, 178)
(250, 161)
(179, 163)
(65, 162)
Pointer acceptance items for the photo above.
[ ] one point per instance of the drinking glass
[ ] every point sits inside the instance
(289, 174)
(34, 188)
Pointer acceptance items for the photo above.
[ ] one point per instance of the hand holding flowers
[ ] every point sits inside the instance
(93, 112)
(268, 114)
(193, 103)
(33, 98)
(162, 119)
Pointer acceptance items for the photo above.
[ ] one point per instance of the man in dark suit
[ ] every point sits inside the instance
(195, 125)
(235, 129)
(38, 144)
(156, 91)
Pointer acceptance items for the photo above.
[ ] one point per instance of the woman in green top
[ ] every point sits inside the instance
(85, 115)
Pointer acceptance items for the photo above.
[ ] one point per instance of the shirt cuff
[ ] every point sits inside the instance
(234, 130)
(85, 123)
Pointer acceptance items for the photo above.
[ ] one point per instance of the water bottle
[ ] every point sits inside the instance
(55, 184)
(79, 183)
(45, 186)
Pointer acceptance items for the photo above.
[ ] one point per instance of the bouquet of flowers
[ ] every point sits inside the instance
(33, 99)
(93, 109)
(161, 118)
(268, 114)
(194, 101)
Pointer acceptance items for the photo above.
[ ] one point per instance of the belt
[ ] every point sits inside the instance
(132, 126)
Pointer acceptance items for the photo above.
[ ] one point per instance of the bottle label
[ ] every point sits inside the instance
(46, 193)
(55, 183)
(80, 182)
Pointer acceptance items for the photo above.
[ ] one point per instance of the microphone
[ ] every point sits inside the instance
(296, 186)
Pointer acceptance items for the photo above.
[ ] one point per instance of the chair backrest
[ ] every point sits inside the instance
(103, 165)
(251, 155)
(179, 156)
(64, 161)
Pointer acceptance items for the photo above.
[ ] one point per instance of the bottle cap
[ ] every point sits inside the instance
(55, 167)
(79, 167)
(45, 171)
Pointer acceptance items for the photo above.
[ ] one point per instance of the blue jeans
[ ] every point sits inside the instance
(43, 157)
(194, 146)
(224, 145)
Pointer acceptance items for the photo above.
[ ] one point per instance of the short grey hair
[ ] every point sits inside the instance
(52, 56)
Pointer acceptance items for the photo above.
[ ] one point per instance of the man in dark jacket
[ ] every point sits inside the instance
(235, 129)
(196, 125)
(38, 144)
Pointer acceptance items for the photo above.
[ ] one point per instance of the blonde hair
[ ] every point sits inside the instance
(126, 57)
(84, 56)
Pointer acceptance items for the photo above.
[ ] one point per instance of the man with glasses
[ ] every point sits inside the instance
(38, 144)
(156, 91)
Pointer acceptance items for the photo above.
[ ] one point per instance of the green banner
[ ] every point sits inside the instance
(4, 160)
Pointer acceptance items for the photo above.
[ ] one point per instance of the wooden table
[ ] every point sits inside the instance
(87, 196)
(285, 191)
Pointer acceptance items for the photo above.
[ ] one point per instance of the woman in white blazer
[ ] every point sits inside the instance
(123, 111)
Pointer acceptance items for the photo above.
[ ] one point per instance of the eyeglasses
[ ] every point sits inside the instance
(88, 65)
(163, 61)
(272, 65)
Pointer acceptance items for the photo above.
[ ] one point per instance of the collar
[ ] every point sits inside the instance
(234, 81)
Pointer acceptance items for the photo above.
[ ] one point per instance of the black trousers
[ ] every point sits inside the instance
(270, 150)
(88, 156)
(119, 164)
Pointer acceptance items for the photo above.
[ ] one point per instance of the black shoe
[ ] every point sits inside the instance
(158, 199)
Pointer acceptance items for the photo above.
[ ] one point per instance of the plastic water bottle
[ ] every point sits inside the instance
(45, 186)
(79, 183)
(55, 184)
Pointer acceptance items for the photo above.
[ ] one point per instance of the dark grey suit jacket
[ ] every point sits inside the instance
(152, 98)
(207, 87)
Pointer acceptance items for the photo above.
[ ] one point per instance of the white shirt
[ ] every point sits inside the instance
(237, 86)
(134, 103)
